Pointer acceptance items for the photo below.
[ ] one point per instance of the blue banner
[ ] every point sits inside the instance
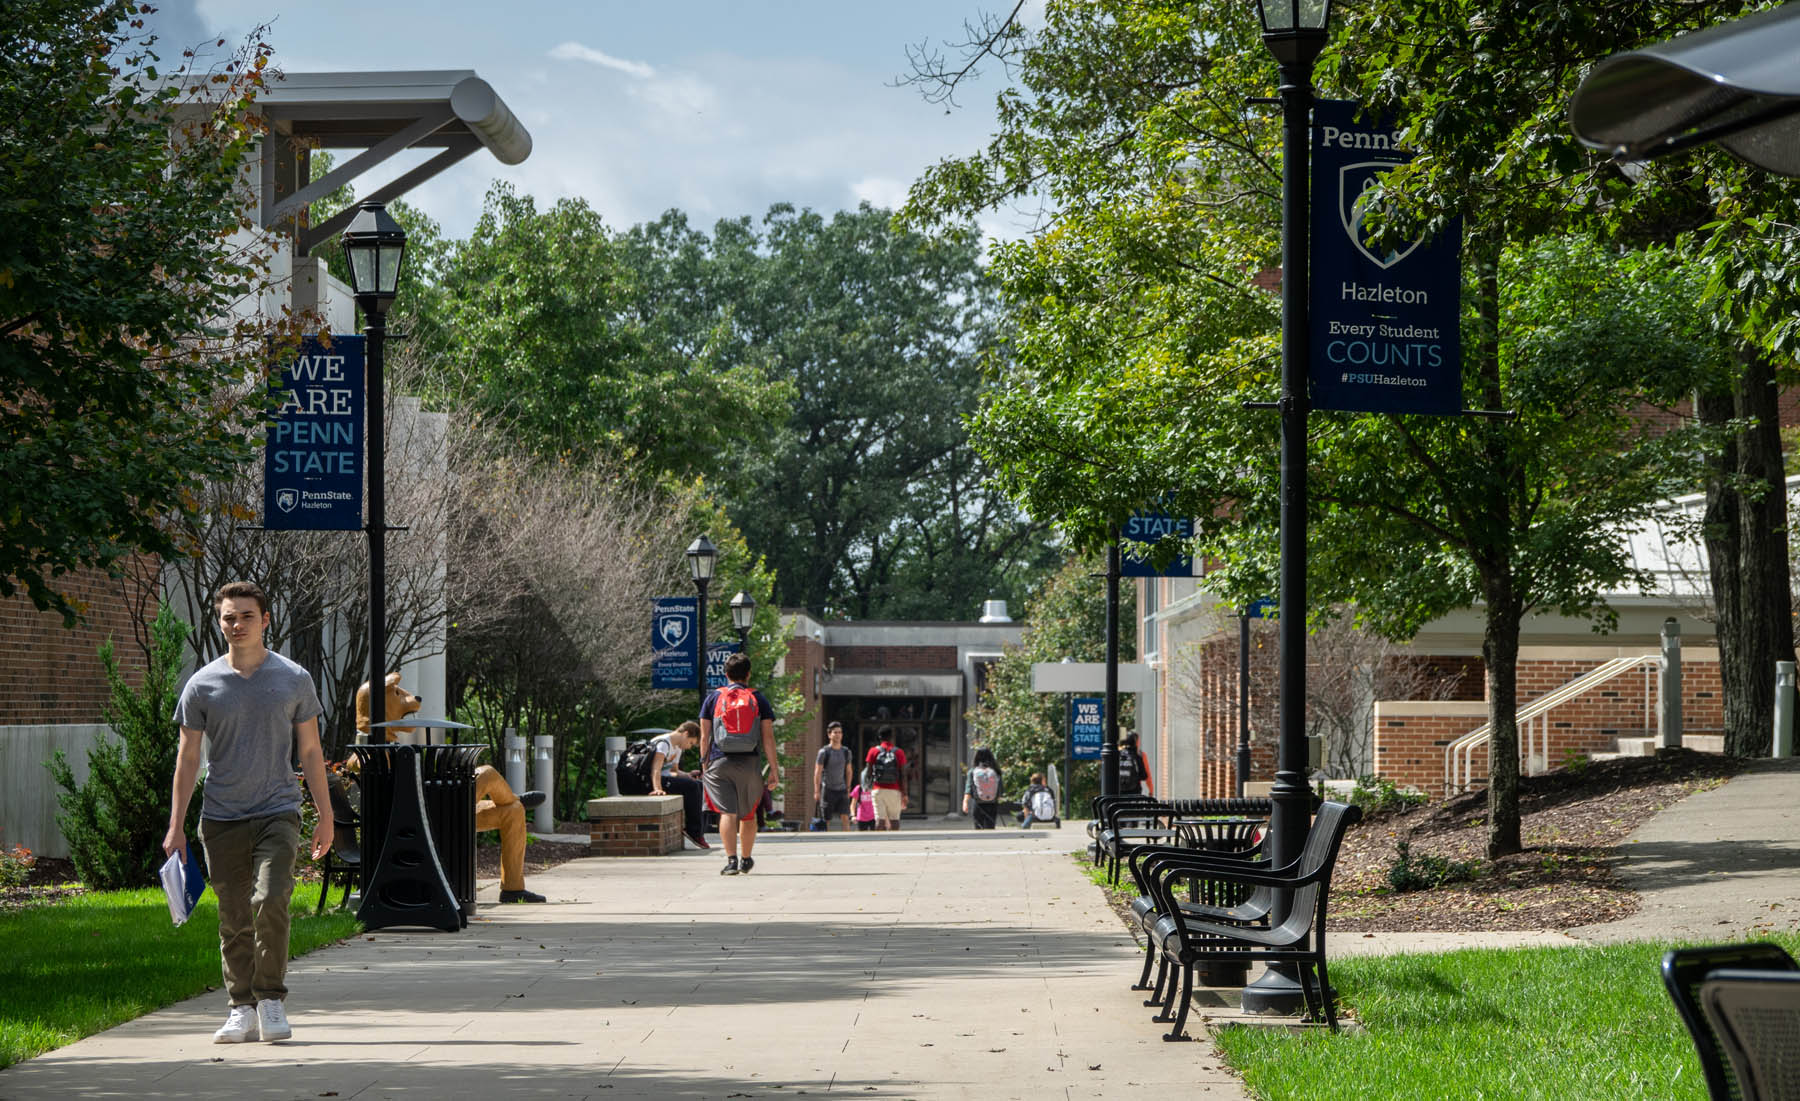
(1087, 727)
(1383, 319)
(674, 639)
(1149, 527)
(716, 653)
(313, 454)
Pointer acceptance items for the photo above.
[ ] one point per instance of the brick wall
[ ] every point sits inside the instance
(803, 740)
(51, 674)
(648, 826)
(1215, 705)
(893, 657)
(1410, 736)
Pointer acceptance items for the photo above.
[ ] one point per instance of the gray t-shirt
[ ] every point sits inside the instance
(249, 726)
(834, 762)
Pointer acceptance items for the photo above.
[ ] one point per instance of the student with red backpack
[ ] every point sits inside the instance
(736, 724)
(983, 789)
(887, 773)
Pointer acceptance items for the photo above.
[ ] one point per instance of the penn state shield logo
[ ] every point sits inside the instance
(673, 629)
(1355, 203)
(287, 499)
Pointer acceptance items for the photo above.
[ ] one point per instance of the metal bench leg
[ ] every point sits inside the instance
(1187, 991)
(1162, 975)
(1150, 954)
(1325, 997)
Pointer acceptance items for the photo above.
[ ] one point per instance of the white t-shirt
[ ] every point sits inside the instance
(665, 745)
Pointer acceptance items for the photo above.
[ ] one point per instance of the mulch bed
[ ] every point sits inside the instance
(1571, 820)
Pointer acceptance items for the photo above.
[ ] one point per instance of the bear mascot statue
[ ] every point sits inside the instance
(497, 806)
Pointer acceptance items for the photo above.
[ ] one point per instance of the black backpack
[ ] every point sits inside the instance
(633, 771)
(885, 768)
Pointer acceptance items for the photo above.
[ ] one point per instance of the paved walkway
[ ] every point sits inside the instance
(921, 964)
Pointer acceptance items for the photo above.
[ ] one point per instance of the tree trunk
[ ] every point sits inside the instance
(1747, 553)
(1500, 651)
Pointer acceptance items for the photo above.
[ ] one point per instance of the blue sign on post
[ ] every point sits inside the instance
(1383, 319)
(675, 640)
(1087, 727)
(313, 456)
(716, 653)
(1149, 527)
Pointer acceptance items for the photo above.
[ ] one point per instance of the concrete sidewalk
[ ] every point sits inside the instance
(914, 964)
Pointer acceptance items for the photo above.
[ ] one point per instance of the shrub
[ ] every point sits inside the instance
(1377, 793)
(115, 822)
(15, 866)
(1422, 873)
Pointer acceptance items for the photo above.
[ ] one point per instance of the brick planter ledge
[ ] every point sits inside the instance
(635, 825)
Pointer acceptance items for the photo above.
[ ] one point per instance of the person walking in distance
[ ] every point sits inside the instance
(982, 792)
(1134, 772)
(256, 711)
(736, 724)
(887, 772)
(831, 777)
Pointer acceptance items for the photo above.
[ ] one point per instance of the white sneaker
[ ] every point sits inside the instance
(271, 1020)
(238, 1027)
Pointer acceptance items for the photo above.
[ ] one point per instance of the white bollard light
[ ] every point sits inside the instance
(543, 761)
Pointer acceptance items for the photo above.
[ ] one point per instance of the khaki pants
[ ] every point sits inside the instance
(497, 808)
(250, 864)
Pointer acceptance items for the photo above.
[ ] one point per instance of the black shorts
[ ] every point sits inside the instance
(834, 802)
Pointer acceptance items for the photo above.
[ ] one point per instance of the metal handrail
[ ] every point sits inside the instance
(1463, 748)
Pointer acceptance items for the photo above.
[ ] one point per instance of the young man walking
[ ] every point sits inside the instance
(736, 724)
(886, 768)
(831, 777)
(256, 711)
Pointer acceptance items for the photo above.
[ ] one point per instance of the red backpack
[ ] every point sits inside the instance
(735, 715)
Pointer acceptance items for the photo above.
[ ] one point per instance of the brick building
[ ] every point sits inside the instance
(917, 679)
(1598, 691)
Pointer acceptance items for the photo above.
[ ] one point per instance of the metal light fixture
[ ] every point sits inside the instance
(743, 615)
(1294, 30)
(702, 557)
(375, 246)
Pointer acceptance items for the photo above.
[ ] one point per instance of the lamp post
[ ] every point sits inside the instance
(375, 245)
(1295, 32)
(743, 615)
(702, 556)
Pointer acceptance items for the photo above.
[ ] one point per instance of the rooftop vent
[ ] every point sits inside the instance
(994, 611)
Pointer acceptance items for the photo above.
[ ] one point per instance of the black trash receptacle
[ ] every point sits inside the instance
(448, 772)
(447, 783)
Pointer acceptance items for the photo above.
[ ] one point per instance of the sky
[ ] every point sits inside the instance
(716, 107)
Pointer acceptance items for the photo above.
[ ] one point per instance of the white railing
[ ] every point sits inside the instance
(1459, 755)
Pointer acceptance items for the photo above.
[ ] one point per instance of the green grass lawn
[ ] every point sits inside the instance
(73, 968)
(1572, 1023)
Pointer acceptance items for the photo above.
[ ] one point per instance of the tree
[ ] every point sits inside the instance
(1486, 86)
(116, 819)
(1139, 301)
(123, 266)
(870, 501)
(1065, 618)
(536, 326)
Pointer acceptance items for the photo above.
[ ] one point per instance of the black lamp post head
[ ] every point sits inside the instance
(702, 557)
(375, 246)
(1294, 30)
(743, 612)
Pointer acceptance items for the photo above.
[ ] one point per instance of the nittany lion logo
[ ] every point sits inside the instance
(674, 629)
(1355, 184)
(286, 499)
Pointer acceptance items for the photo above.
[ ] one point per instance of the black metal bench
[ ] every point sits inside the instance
(1129, 823)
(1184, 941)
(1741, 1004)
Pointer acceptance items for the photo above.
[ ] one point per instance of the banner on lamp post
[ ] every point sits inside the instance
(1148, 527)
(674, 640)
(1087, 727)
(313, 452)
(716, 653)
(1383, 319)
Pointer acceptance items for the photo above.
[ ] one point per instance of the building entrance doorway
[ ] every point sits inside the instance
(922, 728)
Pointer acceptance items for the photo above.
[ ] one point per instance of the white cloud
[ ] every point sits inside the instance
(575, 51)
(882, 192)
